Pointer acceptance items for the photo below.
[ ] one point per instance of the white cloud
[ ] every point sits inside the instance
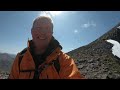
(75, 31)
(115, 48)
(86, 25)
(89, 24)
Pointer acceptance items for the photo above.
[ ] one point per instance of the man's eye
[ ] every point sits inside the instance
(37, 37)
(39, 27)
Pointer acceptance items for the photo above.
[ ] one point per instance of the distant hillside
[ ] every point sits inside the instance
(6, 61)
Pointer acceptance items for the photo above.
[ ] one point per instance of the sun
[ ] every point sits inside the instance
(50, 13)
(54, 13)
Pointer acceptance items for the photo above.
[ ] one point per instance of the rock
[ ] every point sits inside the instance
(91, 60)
(80, 66)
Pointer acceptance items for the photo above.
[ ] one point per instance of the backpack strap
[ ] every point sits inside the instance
(57, 65)
(21, 54)
(54, 62)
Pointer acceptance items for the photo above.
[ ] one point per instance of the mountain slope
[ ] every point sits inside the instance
(96, 60)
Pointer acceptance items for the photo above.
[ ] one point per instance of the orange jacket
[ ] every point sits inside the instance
(68, 69)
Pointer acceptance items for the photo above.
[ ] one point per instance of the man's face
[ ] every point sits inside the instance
(41, 33)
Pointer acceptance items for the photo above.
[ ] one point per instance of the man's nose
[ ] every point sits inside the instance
(36, 36)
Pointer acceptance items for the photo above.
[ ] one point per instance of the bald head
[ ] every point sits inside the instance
(43, 21)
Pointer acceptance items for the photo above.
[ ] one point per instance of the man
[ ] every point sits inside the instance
(43, 58)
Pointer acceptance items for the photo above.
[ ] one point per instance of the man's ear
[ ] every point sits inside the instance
(50, 35)
(31, 31)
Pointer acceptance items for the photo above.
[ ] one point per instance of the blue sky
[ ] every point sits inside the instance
(72, 29)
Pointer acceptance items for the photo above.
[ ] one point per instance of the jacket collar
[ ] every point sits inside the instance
(52, 51)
